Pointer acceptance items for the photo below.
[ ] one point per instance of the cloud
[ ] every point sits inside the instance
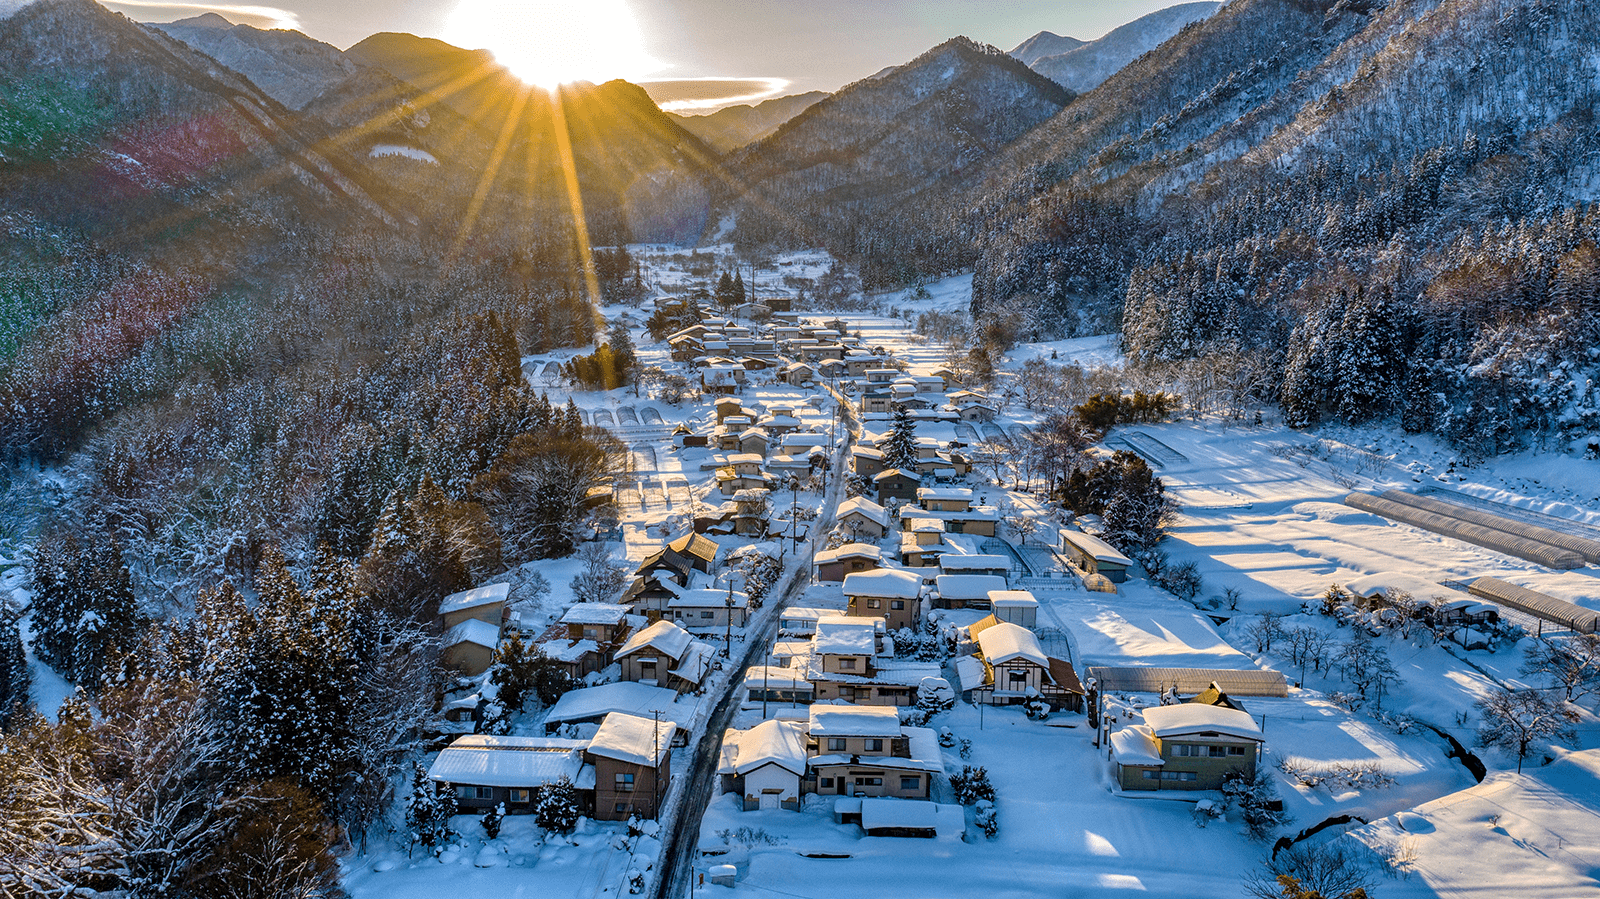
(707, 94)
(155, 10)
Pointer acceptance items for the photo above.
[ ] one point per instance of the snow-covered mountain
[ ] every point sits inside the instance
(1044, 44)
(289, 66)
(731, 128)
(1083, 67)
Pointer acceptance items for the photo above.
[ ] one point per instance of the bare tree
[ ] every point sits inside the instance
(1330, 870)
(1514, 721)
(1572, 663)
(601, 578)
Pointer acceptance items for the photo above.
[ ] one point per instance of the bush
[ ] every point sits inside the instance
(972, 785)
(1257, 801)
(492, 819)
(1181, 579)
(556, 807)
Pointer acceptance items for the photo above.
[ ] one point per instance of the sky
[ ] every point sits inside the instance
(735, 49)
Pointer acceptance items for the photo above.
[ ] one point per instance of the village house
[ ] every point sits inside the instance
(578, 657)
(802, 620)
(892, 483)
(708, 609)
(944, 499)
(1094, 556)
(487, 604)
(1187, 746)
(743, 472)
(847, 662)
(890, 594)
(682, 436)
(602, 622)
(922, 542)
(777, 685)
(861, 517)
(977, 563)
(883, 376)
(632, 760)
(798, 374)
(876, 401)
(765, 764)
(865, 751)
(866, 460)
(753, 441)
(485, 771)
(665, 655)
(834, 564)
(982, 521)
(1017, 607)
(469, 647)
(751, 512)
(965, 591)
(1016, 669)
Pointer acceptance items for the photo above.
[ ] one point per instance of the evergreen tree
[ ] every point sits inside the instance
(514, 671)
(556, 807)
(429, 809)
(624, 358)
(725, 296)
(84, 609)
(15, 679)
(900, 444)
(738, 289)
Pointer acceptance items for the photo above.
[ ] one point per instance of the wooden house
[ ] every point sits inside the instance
(1188, 746)
(632, 760)
(765, 765)
(487, 604)
(834, 565)
(892, 483)
(887, 593)
(665, 655)
(861, 517)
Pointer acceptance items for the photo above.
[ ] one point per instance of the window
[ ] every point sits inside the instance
(591, 633)
(874, 603)
(825, 782)
(1018, 676)
(708, 614)
(624, 783)
(847, 664)
(910, 783)
(519, 796)
(897, 605)
(1236, 750)
(648, 666)
(621, 808)
(465, 792)
(869, 781)
(836, 744)
(874, 745)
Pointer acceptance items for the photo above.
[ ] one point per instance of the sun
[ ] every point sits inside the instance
(550, 42)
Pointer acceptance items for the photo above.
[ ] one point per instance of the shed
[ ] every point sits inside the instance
(1531, 602)
(1095, 556)
(1015, 606)
(485, 603)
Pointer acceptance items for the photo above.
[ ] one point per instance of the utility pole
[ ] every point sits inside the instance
(764, 690)
(727, 622)
(655, 775)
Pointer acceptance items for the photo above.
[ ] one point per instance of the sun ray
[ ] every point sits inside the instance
(486, 181)
(569, 171)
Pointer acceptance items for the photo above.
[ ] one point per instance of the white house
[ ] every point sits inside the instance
(765, 764)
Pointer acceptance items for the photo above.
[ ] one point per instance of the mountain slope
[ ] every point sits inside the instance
(1083, 67)
(1044, 44)
(728, 129)
(885, 138)
(290, 67)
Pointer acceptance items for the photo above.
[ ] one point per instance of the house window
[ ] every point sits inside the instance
(847, 664)
(465, 792)
(519, 795)
(648, 668)
(1236, 750)
(874, 745)
(624, 783)
(591, 633)
(1218, 752)
(874, 603)
(857, 566)
(836, 744)
(1179, 775)
(897, 605)
(1018, 676)
(621, 808)
(708, 614)
(869, 781)
(910, 783)
(825, 782)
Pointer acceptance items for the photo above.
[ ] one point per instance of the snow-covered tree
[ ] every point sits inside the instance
(84, 611)
(556, 806)
(16, 680)
(1516, 720)
(429, 809)
(601, 578)
(1571, 663)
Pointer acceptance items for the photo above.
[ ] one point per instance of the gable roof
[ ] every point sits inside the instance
(854, 721)
(866, 508)
(695, 545)
(1095, 548)
(474, 631)
(895, 472)
(623, 696)
(774, 742)
(849, 551)
(664, 636)
(477, 596)
(494, 761)
(968, 586)
(595, 613)
(1005, 642)
(632, 738)
(1167, 721)
(846, 636)
(889, 582)
(1249, 682)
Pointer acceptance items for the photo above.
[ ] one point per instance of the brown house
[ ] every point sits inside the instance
(485, 771)
(1189, 746)
(835, 564)
(632, 762)
(887, 593)
(665, 655)
(892, 483)
(487, 604)
(864, 751)
(861, 517)
(1016, 669)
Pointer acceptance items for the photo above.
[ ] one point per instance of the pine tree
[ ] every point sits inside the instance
(900, 444)
(429, 809)
(624, 358)
(85, 614)
(738, 291)
(15, 678)
(556, 808)
(515, 671)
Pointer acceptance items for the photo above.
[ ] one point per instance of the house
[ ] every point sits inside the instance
(590, 705)
(753, 441)
(765, 764)
(978, 563)
(865, 751)
(706, 609)
(682, 436)
(665, 655)
(469, 647)
(700, 552)
(780, 422)
(632, 759)
(881, 375)
(1188, 746)
(875, 401)
(1016, 669)
(832, 369)
(774, 684)
(648, 592)
(861, 517)
(602, 622)
(922, 542)
(892, 483)
(1094, 556)
(1017, 607)
(743, 472)
(485, 771)
(977, 412)
(867, 461)
(835, 564)
(578, 657)
(888, 593)
(802, 621)
(487, 604)
(944, 499)
(798, 374)
(727, 407)
(845, 663)
(981, 521)
(965, 591)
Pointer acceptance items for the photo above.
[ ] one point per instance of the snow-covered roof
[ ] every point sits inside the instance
(1385, 582)
(695, 662)
(767, 677)
(849, 551)
(1005, 641)
(925, 525)
(633, 738)
(968, 586)
(883, 813)
(1012, 599)
(472, 630)
(568, 650)
(664, 636)
(970, 671)
(1135, 745)
(847, 636)
(1095, 548)
(624, 696)
(706, 599)
(890, 582)
(746, 458)
(866, 452)
(595, 613)
(780, 743)
(941, 494)
(986, 561)
(492, 761)
(865, 507)
(895, 472)
(1167, 721)
(854, 721)
(806, 613)
(477, 596)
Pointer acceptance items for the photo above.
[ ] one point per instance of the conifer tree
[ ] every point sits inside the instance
(15, 679)
(900, 444)
(84, 609)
